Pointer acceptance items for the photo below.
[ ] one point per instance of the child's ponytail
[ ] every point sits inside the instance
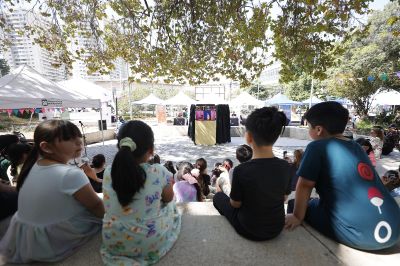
(127, 176)
(135, 139)
(26, 168)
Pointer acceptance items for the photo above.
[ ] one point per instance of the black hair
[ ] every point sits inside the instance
(127, 175)
(170, 167)
(265, 125)
(229, 161)
(217, 164)
(48, 131)
(16, 152)
(98, 160)
(332, 116)
(186, 168)
(392, 179)
(204, 178)
(155, 159)
(244, 153)
(365, 142)
(6, 141)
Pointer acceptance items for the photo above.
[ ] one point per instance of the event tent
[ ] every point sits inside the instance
(151, 99)
(179, 99)
(245, 98)
(312, 100)
(24, 87)
(87, 88)
(386, 97)
(280, 99)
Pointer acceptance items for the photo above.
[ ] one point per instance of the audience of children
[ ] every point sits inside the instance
(366, 145)
(187, 187)
(255, 208)
(391, 180)
(17, 154)
(141, 223)
(354, 207)
(376, 140)
(58, 210)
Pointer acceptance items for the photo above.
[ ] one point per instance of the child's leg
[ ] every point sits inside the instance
(222, 203)
(318, 219)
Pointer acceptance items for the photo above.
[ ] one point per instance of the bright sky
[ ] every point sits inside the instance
(379, 4)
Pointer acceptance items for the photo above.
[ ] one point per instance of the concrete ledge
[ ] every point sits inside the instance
(94, 137)
(208, 239)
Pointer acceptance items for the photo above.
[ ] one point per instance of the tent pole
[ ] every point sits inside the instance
(101, 123)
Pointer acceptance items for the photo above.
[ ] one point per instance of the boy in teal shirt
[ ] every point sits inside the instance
(354, 207)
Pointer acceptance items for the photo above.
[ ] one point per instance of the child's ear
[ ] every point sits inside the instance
(248, 137)
(46, 147)
(320, 130)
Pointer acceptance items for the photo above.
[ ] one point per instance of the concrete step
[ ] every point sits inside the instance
(207, 239)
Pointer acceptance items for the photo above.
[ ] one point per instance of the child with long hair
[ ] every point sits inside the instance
(367, 147)
(141, 223)
(187, 188)
(204, 179)
(58, 211)
(17, 154)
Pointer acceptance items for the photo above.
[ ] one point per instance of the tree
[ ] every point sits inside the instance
(299, 89)
(4, 68)
(193, 40)
(262, 92)
(368, 63)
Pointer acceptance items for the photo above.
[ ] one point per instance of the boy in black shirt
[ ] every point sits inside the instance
(256, 204)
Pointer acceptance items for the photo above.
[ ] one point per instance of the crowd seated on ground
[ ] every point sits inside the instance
(138, 215)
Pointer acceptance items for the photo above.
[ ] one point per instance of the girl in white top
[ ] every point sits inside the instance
(376, 140)
(58, 210)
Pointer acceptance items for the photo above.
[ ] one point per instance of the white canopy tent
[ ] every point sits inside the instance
(312, 100)
(151, 99)
(87, 88)
(386, 97)
(179, 99)
(280, 99)
(24, 87)
(245, 98)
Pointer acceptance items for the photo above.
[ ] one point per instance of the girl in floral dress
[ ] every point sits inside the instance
(141, 223)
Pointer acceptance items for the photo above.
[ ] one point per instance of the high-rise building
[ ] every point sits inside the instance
(23, 50)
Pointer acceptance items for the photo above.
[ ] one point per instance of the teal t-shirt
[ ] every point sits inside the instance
(361, 210)
(4, 164)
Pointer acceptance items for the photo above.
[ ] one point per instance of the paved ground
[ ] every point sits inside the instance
(174, 147)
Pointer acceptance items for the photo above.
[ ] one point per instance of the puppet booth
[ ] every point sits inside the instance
(209, 124)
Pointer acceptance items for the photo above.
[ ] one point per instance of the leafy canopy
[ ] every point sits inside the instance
(189, 40)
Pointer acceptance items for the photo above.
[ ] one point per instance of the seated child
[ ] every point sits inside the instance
(354, 207)
(58, 211)
(255, 208)
(204, 179)
(366, 145)
(17, 154)
(98, 165)
(141, 223)
(223, 182)
(215, 173)
(187, 188)
(391, 181)
(243, 154)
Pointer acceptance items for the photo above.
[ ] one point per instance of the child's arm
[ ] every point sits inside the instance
(167, 193)
(88, 198)
(303, 192)
(235, 204)
(89, 171)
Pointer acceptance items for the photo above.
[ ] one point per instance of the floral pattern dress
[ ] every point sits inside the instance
(145, 230)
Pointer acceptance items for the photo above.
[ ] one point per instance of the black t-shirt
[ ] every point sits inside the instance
(261, 184)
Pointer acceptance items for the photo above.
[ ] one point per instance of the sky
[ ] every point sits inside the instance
(379, 4)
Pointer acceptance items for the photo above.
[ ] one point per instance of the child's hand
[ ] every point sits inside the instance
(291, 222)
